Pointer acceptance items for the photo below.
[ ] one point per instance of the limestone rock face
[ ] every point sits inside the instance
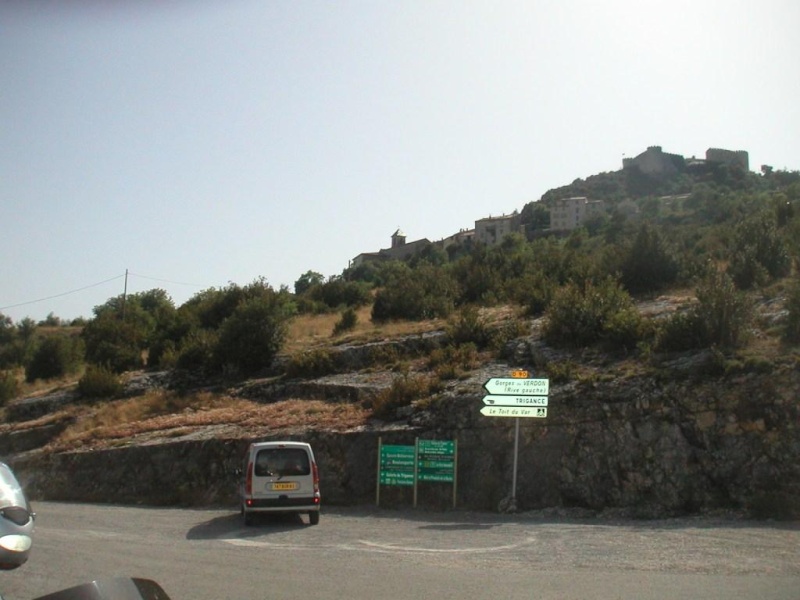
(648, 447)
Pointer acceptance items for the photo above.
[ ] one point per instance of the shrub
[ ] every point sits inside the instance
(470, 328)
(113, 342)
(791, 332)
(313, 363)
(404, 390)
(721, 317)
(759, 253)
(55, 356)
(196, 351)
(560, 372)
(680, 332)
(251, 337)
(626, 329)
(724, 312)
(451, 362)
(347, 322)
(535, 293)
(9, 386)
(427, 292)
(99, 382)
(582, 315)
(649, 264)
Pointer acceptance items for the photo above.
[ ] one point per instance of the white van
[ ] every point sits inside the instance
(280, 477)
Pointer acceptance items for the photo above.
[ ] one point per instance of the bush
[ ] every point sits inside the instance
(626, 329)
(470, 328)
(535, 293)
(55, 356)
(113, 342)
(196, 351)
(721, 318)
(791, 332)
(759, 253)
(583, 315)
(251, 337)
(649, 265)
(560, 372)
(722, 311)
(313, 363)
(99, 382)
(452, 362)
(427, 292)
(404, 390)
(680, 332)
(346, 323)
(9, 386)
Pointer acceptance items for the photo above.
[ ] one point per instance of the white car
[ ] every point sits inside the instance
(280, 477)
(16, 521)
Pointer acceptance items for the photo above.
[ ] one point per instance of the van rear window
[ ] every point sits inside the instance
(273, 462)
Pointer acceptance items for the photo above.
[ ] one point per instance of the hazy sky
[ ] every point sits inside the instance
(199, 143)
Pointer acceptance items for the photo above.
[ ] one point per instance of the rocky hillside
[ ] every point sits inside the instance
(669, 435)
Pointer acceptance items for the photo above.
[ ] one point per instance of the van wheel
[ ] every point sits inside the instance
(313, 517)
(248, 518)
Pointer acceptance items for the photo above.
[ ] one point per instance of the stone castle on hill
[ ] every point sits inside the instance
(654, 161)
(566, 214)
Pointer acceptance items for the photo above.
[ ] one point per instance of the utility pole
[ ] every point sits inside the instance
(124, 294)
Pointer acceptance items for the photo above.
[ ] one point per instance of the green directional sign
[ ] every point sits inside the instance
(397, 465)
(436, 460)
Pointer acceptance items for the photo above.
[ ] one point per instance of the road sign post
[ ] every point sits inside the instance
(516, 397)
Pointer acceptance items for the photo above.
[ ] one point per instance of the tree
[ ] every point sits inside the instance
(113, 343)
(585, 314)
(725, 312)
(535, 216)
(124, 328)
(649, 264)
(427, 292)
(757, 243)
(55, 356)
(251, 337)
(306, 281)
(792, 328)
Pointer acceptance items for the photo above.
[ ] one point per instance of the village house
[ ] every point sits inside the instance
(567, 214)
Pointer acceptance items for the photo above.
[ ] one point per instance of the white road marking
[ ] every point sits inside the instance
(387, 548)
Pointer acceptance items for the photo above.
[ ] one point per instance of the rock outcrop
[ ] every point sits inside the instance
(651, 444)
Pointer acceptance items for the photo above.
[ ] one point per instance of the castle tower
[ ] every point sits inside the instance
(398, 239)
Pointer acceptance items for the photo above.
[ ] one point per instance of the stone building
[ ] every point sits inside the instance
(399, 250)
(491, 230)
(729, 157)
(567, 214)
(654, 161)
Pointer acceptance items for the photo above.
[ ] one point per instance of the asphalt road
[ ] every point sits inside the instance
(364, 553)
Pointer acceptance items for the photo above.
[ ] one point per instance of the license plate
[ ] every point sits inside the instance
(284, 486)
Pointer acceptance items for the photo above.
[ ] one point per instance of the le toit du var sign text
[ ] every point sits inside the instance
(516, 397)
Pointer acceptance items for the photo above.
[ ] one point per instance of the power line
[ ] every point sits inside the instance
(165, 280)
(62, 294)
(95, 285)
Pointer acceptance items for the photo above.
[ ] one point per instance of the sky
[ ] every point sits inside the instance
(197, 144)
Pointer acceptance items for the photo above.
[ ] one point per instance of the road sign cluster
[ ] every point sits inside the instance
(516, 397)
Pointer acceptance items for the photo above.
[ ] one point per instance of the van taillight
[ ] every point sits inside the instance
(315, 473)
(248, 480)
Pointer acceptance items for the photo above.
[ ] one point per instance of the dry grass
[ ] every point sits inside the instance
(153, 413)
(311, 331)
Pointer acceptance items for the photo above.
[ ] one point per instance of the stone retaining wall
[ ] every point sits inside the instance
(652, 448)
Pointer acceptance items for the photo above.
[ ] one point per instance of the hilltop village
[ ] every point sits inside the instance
(566, 214)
